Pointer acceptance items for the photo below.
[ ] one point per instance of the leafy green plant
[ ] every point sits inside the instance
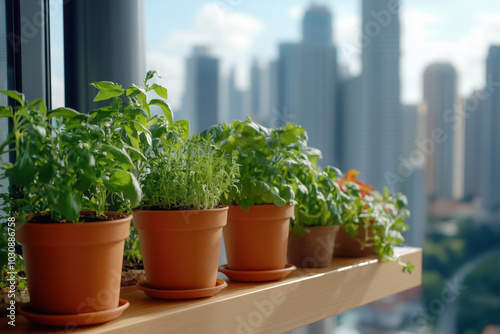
(269, 160)
(320, 200)
(384, 213)
(65, 162)
(194, 175)
(175, 171)
(132, 252)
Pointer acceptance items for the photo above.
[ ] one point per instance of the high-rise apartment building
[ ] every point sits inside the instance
(201, 97)
(380, 89)
(490, 166)
(307, 74)
(440, 97)
(474, 111)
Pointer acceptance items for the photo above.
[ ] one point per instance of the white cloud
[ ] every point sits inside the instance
(417, 51)
(171, 70)
(347, 32)
(295, 12)
(230, 34)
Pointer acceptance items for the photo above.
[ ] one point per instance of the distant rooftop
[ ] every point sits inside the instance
(315, 7)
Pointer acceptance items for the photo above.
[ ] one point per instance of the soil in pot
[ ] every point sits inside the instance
(132, 273)
(257, 239)
(347, 246)
(74, 268)
(180, 248)
(314, 249)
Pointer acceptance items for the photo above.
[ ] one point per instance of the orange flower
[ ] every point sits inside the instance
(364, 189)
(342, 186)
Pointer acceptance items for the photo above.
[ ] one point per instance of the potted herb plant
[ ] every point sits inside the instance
(374, 223)
(256, 235)
(317, 217)
(68, 166)
(180, 218)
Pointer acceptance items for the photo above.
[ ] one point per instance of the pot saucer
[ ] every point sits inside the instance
(257, 275)
(181, 294)
(79, 319)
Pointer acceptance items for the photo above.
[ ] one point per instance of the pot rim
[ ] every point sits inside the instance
(224, 207)
(120, 216)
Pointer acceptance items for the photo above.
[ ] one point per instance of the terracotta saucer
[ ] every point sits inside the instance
(181, 294)
(257, 275)
(80, 319)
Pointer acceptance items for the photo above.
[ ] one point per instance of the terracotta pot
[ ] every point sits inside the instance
(74, 268)
(180, 249)
(314, 249)
(257, 239)
(347, 246)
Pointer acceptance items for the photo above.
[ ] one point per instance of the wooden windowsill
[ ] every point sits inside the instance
(306, 296)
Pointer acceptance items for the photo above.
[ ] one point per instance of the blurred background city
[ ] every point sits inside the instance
(406, 92)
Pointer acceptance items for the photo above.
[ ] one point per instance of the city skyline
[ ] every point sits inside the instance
(243, 11)
(407, 95)
(429, 33)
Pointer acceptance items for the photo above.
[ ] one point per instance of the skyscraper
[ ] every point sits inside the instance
(201, 97)
(490, 176)
(474, 110)
(307, 75)
(380, 81)
(413, 184)
(440, 97)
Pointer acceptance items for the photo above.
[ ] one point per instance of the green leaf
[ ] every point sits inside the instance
(160, 90)
(149, 76)
(140, 128)
(135, 154)
(68, 207)
(166, 109)
(19, 97)
(83, 183)
(107, 90)
(23, 172)
(122, 181)
(66, 113)
(287, 193)
(135, 92)
(119, 155)
(6, 112)
(46, 172)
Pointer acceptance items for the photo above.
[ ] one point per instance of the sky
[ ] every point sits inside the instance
(238, 31)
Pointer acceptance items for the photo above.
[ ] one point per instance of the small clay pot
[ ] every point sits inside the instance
(257, 239)
(347, 246)
(180, 248)
(314, 249)
(74, 268)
